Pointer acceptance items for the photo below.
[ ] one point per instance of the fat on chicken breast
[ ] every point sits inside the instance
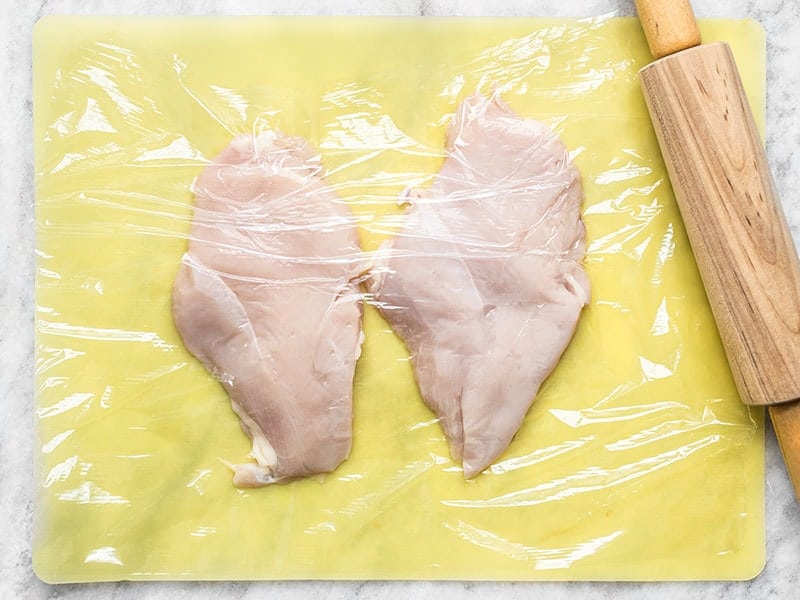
(485, 282)
(267, 298)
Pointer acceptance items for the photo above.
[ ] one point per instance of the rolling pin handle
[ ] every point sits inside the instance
(669, 26)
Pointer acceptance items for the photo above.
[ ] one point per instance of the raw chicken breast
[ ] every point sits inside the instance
(485, 283)
(267, 298)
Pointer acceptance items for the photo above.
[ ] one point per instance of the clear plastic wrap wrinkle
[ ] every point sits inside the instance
(413, 300)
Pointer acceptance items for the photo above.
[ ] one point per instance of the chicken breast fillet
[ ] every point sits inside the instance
(485, 283)
(267, 298)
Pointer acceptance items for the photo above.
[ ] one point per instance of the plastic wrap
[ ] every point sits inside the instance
(636, 459)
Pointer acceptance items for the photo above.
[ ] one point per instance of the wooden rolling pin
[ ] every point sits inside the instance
(726, 195)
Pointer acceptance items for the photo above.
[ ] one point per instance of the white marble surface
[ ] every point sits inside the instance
(780, 578)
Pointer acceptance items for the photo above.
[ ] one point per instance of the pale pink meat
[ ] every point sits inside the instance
(267, 298)
(485, 282)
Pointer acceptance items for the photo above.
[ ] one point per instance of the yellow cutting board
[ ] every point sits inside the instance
(636, 461)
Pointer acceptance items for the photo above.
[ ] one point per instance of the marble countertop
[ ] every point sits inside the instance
(780, 578)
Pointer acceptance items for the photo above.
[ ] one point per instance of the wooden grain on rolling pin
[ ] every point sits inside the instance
(737, 230)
